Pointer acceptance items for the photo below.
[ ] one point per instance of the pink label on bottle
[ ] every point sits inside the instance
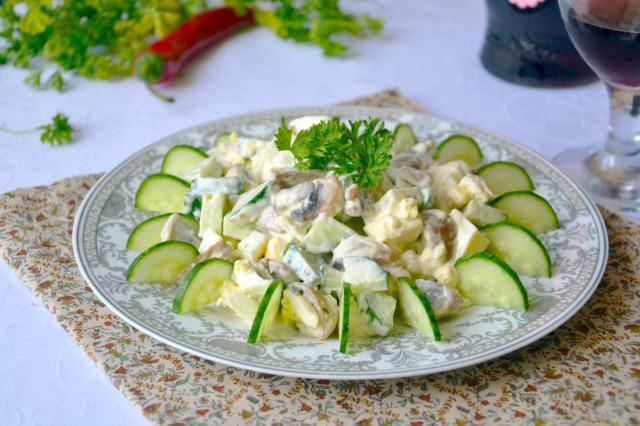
(524, 4)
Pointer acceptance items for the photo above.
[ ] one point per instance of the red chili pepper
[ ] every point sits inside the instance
(161, 60)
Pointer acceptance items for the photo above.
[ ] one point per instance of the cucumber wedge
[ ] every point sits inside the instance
(529, 210)
(486, 280)
(267, 311)
(301, 263)
(147, 233)
(343, 319)
(180, 158)
(504, 176)
(417, 309)
(404, 137)
(364, 274)
(519, 247)
(202, 285)
(325, 235)
(377, 309)
(162, 193)
(161, 263)
(459, 147)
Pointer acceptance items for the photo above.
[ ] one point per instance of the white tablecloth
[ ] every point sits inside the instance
(429, 50)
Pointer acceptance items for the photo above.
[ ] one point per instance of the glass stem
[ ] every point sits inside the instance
(624, 122)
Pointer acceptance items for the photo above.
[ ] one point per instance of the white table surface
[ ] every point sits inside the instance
(429, 50)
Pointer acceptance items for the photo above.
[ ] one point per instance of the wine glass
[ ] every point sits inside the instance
(607, 35)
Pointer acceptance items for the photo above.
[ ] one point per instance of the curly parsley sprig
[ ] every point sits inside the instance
(58, 132)
(359, 148)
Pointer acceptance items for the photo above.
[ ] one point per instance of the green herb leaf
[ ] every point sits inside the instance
(55, 81)
(315, 21)
(360, 148)
(58, 132)
(33, 79)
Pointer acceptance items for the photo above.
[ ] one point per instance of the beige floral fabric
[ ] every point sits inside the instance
(587, 371)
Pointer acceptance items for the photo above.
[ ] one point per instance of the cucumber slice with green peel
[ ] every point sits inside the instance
(404, 137)
(267, 311)
(222, 139)
(147, 233)
(364, 274)
(504, 176)
(202, 285)
(519, 248)
(180, 158)
(161, 263)
(162, 193)
(459, 147)
(487, 280)
(343, 319)
(417, 310)
(529, 210)
(377, 309)
(325, 235)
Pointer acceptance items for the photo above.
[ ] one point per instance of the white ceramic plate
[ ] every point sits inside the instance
(578, 253)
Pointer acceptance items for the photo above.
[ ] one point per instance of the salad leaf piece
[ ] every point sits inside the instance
(358, 148)
(58, 132)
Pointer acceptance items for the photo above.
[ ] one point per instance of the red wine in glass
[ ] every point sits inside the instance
(613, 53)
(607, 35)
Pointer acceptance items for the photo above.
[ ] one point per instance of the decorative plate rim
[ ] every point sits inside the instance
(589, 287)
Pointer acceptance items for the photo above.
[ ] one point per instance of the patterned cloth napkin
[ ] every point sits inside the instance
(586, 371)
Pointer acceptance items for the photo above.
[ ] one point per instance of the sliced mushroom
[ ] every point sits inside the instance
(358, 201)
(306, 201)
(405, 176)
(444, 300)
(411, 159)
(438, 228)
(175, 229)
(220, 250)
(357, 245)
(313, 313)
(290, 176)
(279, 270)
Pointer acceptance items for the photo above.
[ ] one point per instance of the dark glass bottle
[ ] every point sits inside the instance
(526, 43)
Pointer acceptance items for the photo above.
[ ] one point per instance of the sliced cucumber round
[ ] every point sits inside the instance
(404, 137)
(161, 263)
(147, 233)
(417, 310)
(202, 285)
(519, 247)
(364, 274)
(527, 209)
(343, 319)
(486, 280)
(459, 147)
(504, 176)
(180, 158)
(267, 311)
(162, 193)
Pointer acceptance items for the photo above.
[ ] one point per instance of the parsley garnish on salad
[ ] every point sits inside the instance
(358, 148)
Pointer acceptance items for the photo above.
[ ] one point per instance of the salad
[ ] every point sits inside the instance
(340, 228)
